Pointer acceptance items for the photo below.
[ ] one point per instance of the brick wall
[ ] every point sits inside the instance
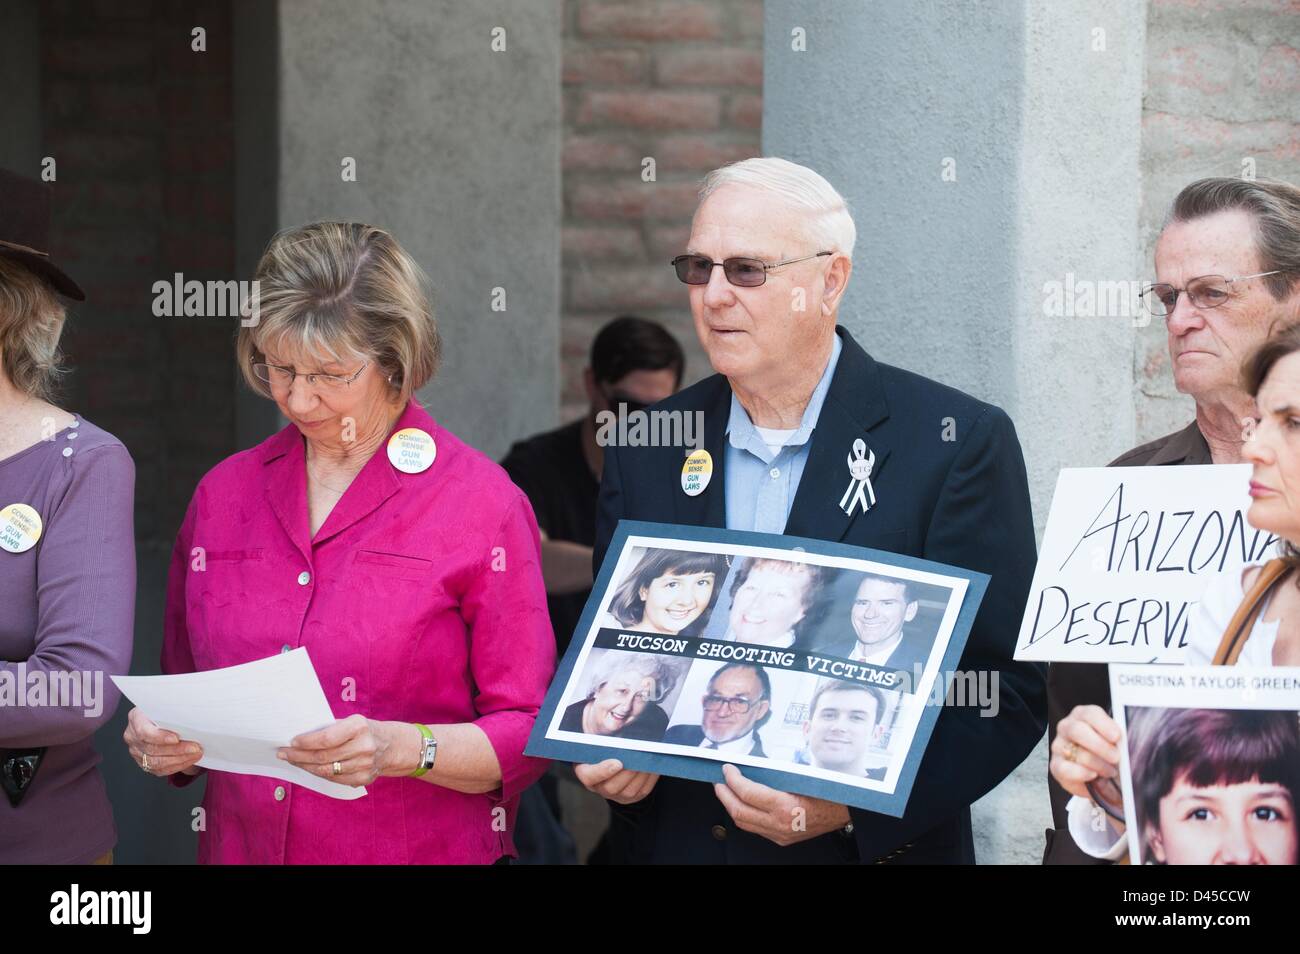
(1223, 86)
(680, 82)
(140, 126)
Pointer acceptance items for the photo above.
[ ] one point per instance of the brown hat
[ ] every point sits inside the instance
(25, 230)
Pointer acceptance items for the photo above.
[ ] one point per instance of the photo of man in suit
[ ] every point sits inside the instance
(841, 725)
(810, 436)
(736, 704)
(881, 609)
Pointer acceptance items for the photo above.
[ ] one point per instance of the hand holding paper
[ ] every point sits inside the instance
(242, 715)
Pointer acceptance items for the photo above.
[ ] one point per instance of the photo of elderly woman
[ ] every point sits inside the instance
(1215, 786)
(669, 592)
(775, 602)
(626, 695)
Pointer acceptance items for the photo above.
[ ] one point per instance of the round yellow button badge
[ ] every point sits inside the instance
(697, 471)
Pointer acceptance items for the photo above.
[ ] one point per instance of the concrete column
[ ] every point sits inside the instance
(457, 152)
(987, 150)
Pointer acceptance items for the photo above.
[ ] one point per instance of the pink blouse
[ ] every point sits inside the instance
(420, 599)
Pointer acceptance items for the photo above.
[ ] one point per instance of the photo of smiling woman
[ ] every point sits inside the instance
(669, 592)
(1215, 786)
(773, 602)
(624, 695)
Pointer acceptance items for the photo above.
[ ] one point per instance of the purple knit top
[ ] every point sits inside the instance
(67, 607)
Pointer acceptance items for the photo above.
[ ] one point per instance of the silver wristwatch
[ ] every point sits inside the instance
(428, 752)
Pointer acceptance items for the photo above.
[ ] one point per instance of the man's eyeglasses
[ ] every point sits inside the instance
(1207, 291)
(745, 272)
(737, 704)
(281, 378)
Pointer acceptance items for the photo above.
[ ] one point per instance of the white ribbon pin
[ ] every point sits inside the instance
(860, 492)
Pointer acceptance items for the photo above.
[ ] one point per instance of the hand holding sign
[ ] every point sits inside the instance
(1086, 747)
(610, 780)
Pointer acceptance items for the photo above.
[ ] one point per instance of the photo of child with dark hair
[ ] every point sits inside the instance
(1215, 786)
(669, 592)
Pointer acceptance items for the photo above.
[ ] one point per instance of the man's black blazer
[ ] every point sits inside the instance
(694, 735)
(950, 485)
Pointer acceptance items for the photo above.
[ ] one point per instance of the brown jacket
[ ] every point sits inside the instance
(1077, 684)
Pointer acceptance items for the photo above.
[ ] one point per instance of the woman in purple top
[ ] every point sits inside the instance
(67, 565)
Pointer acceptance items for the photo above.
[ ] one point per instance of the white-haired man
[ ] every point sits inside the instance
(794, 400)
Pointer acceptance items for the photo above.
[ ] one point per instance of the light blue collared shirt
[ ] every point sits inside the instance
(760, 485)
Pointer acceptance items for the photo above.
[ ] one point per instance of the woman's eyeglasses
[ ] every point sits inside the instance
(281, 378)
(745, 272)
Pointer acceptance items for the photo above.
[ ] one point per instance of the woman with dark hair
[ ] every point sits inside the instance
(1251, 618)
(669, 592)
(1216, 786)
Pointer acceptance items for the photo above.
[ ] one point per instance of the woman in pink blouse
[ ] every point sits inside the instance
(405, 562)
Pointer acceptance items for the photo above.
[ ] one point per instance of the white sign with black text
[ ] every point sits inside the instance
(1126, 555)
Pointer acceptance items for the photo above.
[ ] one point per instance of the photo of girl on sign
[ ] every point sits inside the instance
(1215, 786)
(668, 592)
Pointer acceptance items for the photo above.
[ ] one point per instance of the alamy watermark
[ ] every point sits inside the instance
(133, 909)
(180, 298)
(638, 428)
(38, 688)
(1086, 298)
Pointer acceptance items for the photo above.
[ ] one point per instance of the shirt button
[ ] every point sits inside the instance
(279, 793)
(775, 472)
(67, 452)
(304, 578)
(719, 833)
(286, 648)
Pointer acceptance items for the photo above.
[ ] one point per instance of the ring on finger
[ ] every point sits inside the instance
(338, 768)
(1072, 753)
(144, 761)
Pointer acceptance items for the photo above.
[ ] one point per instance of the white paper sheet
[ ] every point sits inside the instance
(242, 714)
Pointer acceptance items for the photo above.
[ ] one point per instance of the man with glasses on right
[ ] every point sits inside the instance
(1227, 275)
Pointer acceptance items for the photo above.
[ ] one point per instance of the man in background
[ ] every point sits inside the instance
(1227, 275)
(634, 363)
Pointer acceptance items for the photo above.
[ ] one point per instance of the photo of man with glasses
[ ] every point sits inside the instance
(737, 702)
